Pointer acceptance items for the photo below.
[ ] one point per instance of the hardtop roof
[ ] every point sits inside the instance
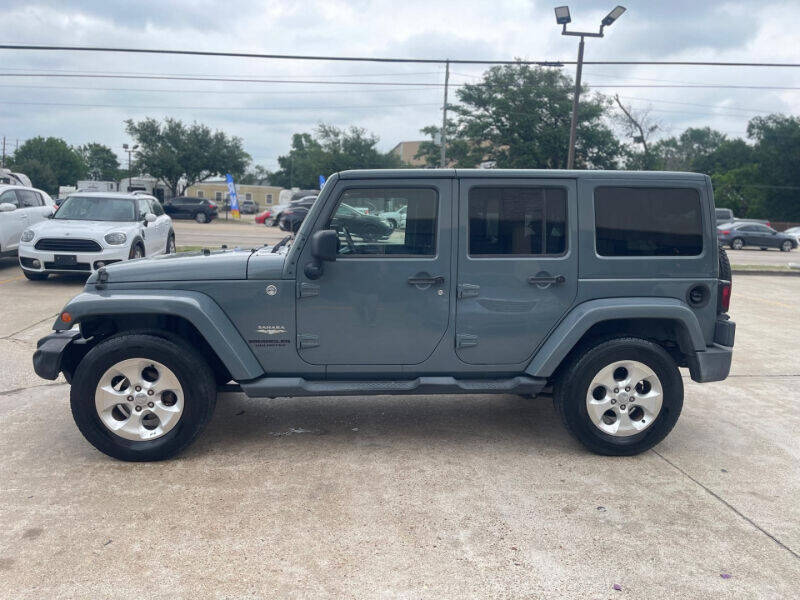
(515, 173)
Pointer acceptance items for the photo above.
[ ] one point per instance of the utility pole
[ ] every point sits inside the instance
(563, 18)
(4, 153)
(573, 125)
(443, 160)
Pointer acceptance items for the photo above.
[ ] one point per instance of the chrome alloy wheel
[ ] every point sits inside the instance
(624, 398)
(139, 399)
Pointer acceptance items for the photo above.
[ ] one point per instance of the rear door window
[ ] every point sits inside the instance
(641, 221)
(522, 221)
(29, 199)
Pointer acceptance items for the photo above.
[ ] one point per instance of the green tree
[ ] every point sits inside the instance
(329, 150)
(181, 155)
(40, 174)
(681, 153)
(777, 154)
(518, 116)
(101, 162)
(63, 161)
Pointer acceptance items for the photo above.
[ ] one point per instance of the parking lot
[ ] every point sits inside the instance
(409, 497)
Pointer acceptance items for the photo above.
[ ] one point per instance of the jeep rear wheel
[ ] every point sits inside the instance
(142, 398)
(620, 397)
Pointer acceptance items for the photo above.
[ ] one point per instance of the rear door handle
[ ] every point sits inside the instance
(552, 279)
(435, 280)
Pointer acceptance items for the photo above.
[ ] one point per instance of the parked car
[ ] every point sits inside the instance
(95, 229)
(493, 288)
(301, 203)
(725, 215)
(201, 210)
(396, 218)
(248, 207)
(291, 217)
(20, 207)
(744, 233)
(794, 232)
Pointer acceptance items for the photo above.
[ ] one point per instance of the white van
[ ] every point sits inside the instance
(20, 207)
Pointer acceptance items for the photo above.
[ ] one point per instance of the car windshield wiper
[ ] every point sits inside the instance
(281, 244)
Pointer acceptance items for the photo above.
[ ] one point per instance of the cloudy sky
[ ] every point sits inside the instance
(266, 114)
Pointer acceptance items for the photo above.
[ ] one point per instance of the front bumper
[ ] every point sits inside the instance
(86, 262)
(49, 354)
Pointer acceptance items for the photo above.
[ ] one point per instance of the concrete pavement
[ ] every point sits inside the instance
(408, 497)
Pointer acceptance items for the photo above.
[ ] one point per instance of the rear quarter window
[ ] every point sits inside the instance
(639, 221)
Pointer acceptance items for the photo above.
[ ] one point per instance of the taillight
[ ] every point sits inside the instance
(724, 296)
(725, 232)
(769, 224)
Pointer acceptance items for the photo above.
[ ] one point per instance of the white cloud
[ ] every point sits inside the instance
(679, 29)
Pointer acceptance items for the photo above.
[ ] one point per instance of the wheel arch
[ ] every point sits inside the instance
(666, 321)
(193, 316)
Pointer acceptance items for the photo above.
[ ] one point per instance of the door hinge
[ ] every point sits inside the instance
(468, 290)
(307, 340)
(466, 340)
(306, 290)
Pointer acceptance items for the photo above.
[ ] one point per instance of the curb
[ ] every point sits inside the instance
(736, 271)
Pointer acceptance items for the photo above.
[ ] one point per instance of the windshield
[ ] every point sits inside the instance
(96, 208)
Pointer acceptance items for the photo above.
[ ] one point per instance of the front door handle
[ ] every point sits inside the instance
(435, 280)
(549, 279)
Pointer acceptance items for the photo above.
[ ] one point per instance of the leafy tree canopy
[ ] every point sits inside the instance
(181, 155)
(329, 150)
(101, 162)
(61, 159)
(519, 116)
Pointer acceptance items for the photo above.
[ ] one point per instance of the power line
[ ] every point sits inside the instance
(200, 91)
(381, 83)
(545, 63)
(220, 108)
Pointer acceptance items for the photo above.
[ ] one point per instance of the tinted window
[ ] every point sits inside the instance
(29, 198)
(648, 221)
(517, 220)
(763, 229)
(9, 197)
(364, 232)
(748, 228)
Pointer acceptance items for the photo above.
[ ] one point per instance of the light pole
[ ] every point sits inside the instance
(129, 150)
(562, 18)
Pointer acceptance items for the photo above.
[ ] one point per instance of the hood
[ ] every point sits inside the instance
(185, 266)
(91, 230)
(264, 264)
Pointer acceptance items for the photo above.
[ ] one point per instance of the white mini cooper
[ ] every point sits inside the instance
(93, 229)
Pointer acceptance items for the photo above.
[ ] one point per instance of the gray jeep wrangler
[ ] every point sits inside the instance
(592, 286)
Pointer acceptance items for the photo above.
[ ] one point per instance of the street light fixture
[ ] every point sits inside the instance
(563, 18)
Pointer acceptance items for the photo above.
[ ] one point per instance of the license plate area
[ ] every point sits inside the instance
(65, 260)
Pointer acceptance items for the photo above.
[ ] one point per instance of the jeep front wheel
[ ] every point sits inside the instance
(620, 397)
(141, 397)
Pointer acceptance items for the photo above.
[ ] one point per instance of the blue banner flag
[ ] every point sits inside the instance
(321, 181)
(233, 196)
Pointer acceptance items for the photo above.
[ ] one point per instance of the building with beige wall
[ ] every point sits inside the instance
(407, 151)
(262, 195)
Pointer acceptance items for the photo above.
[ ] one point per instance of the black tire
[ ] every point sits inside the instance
(393, 223)
(737, 242)
(786, 246)
(193, 373)
(34, 276)
(136, 248)
(201, 217)
(170, 249)
(725, 272)
(572, 387)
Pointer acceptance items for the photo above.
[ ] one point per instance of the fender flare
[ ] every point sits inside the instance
(197, 308)
(581, 318)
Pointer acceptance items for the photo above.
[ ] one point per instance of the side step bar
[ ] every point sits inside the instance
(274, 387)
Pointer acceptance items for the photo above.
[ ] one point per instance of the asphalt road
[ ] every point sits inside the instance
(408, 497)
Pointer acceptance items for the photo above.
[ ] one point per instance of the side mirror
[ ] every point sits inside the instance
(324, 246)
(7, 207)
(150, 218)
